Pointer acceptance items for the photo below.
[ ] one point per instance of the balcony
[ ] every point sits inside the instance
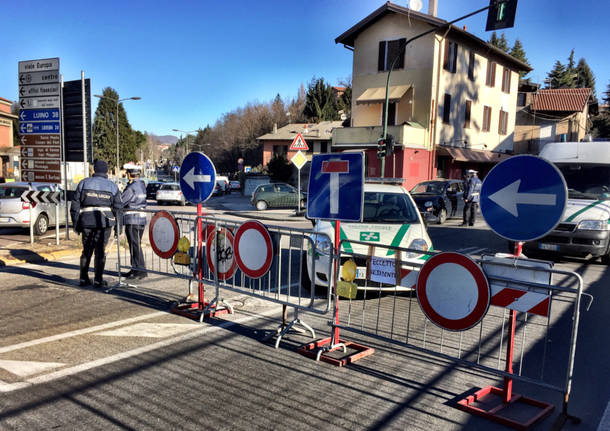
(411, 135)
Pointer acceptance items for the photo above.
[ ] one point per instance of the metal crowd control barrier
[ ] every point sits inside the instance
(540, 342)
(283, 284)
(187, 224)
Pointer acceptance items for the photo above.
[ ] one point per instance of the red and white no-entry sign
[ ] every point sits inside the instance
(253, 249)
(452, 291)
(220, 249)
(163, 232)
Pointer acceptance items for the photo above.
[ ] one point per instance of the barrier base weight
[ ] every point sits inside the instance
(519, 413)
(321, 349)
(196, 311)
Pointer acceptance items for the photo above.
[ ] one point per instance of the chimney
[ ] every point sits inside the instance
(274, 128)
(432, 7)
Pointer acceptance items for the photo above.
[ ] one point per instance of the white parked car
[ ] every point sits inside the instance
(390, 217)
(222, 186)
(170, 193)
(15, 213)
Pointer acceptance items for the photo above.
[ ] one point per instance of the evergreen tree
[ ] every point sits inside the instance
(499, 42)
(570, 68)
(606, 97)
(104, 131)
(557, 77)
(320, 101)
(518, 52)
(585, 77)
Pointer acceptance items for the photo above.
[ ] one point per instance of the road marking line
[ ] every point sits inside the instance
(77, 332)
(150, 330)
(27, 368)
(9, 387)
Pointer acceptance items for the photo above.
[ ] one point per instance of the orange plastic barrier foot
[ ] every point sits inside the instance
(312, 350)
(193, 310)
(519, 413)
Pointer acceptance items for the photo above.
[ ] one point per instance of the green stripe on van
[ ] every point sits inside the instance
(347, 247)
(579, 212)
(398, 238)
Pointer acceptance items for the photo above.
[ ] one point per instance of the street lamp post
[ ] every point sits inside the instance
(116, 123)
(187, 136)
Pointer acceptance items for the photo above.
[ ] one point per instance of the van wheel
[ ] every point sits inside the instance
(42, 225)
(261, 205)
(442, 216)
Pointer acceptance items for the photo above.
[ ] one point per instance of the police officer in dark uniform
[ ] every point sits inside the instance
(134, 220)
(472, 195)
(95, 206)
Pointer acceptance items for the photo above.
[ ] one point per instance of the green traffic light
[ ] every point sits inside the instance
(501, 11)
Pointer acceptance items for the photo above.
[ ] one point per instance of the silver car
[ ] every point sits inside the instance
(15, 213)
(170, 193)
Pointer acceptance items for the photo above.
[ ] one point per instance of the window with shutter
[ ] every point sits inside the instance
(471, 66)
(503, 123)
(486, 118)
(506, 80)
(467, 115)
(491, 73)
(388, 50)
(450, 63)
(446, 108)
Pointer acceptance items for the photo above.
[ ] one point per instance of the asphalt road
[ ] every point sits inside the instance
(79, 358)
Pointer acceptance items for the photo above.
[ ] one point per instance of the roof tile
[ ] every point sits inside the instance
(561, 99)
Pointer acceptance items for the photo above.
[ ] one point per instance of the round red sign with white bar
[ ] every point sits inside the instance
(164, 233)
(221, 240)
(452, 291)
(253, 249)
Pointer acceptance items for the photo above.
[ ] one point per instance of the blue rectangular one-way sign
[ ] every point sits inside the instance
(336, 187)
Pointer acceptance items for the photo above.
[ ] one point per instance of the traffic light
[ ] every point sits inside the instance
(501, 14)
(381, 148)
(389, 145)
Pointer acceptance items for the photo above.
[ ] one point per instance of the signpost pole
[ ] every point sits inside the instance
(31, 224)
(335, 339)
(298, 190)
(508, 381)
(82, 80)
(201, 298)
(57, 224)
(63, 154)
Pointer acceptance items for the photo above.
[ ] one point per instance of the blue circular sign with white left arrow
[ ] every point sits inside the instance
(523, 198)
(197, 177)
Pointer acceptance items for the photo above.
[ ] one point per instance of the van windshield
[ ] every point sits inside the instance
(587, 181)
(383, 207)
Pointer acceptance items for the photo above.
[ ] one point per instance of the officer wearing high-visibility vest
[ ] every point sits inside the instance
(95, 206)
(134, 220)
(472, 196)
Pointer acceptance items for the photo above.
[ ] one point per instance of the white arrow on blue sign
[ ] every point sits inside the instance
(197, 177)
(523, 198)
(336, 187)
(39, 128)
(39, 114)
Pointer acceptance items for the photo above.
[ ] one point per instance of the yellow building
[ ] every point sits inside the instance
(8, 152)
(452, 96)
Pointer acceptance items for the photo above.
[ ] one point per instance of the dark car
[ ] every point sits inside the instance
(151, 189)
(439, 199)
(278, 195)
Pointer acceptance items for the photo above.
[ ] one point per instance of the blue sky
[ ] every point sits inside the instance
(191, 61)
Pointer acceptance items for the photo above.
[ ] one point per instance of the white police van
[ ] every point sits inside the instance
(583, 229)
(390, 217)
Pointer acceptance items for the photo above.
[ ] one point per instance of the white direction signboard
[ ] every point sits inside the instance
(41, 65)
(39, 90)
(39, 119)
(39, 102)
(30, 78)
